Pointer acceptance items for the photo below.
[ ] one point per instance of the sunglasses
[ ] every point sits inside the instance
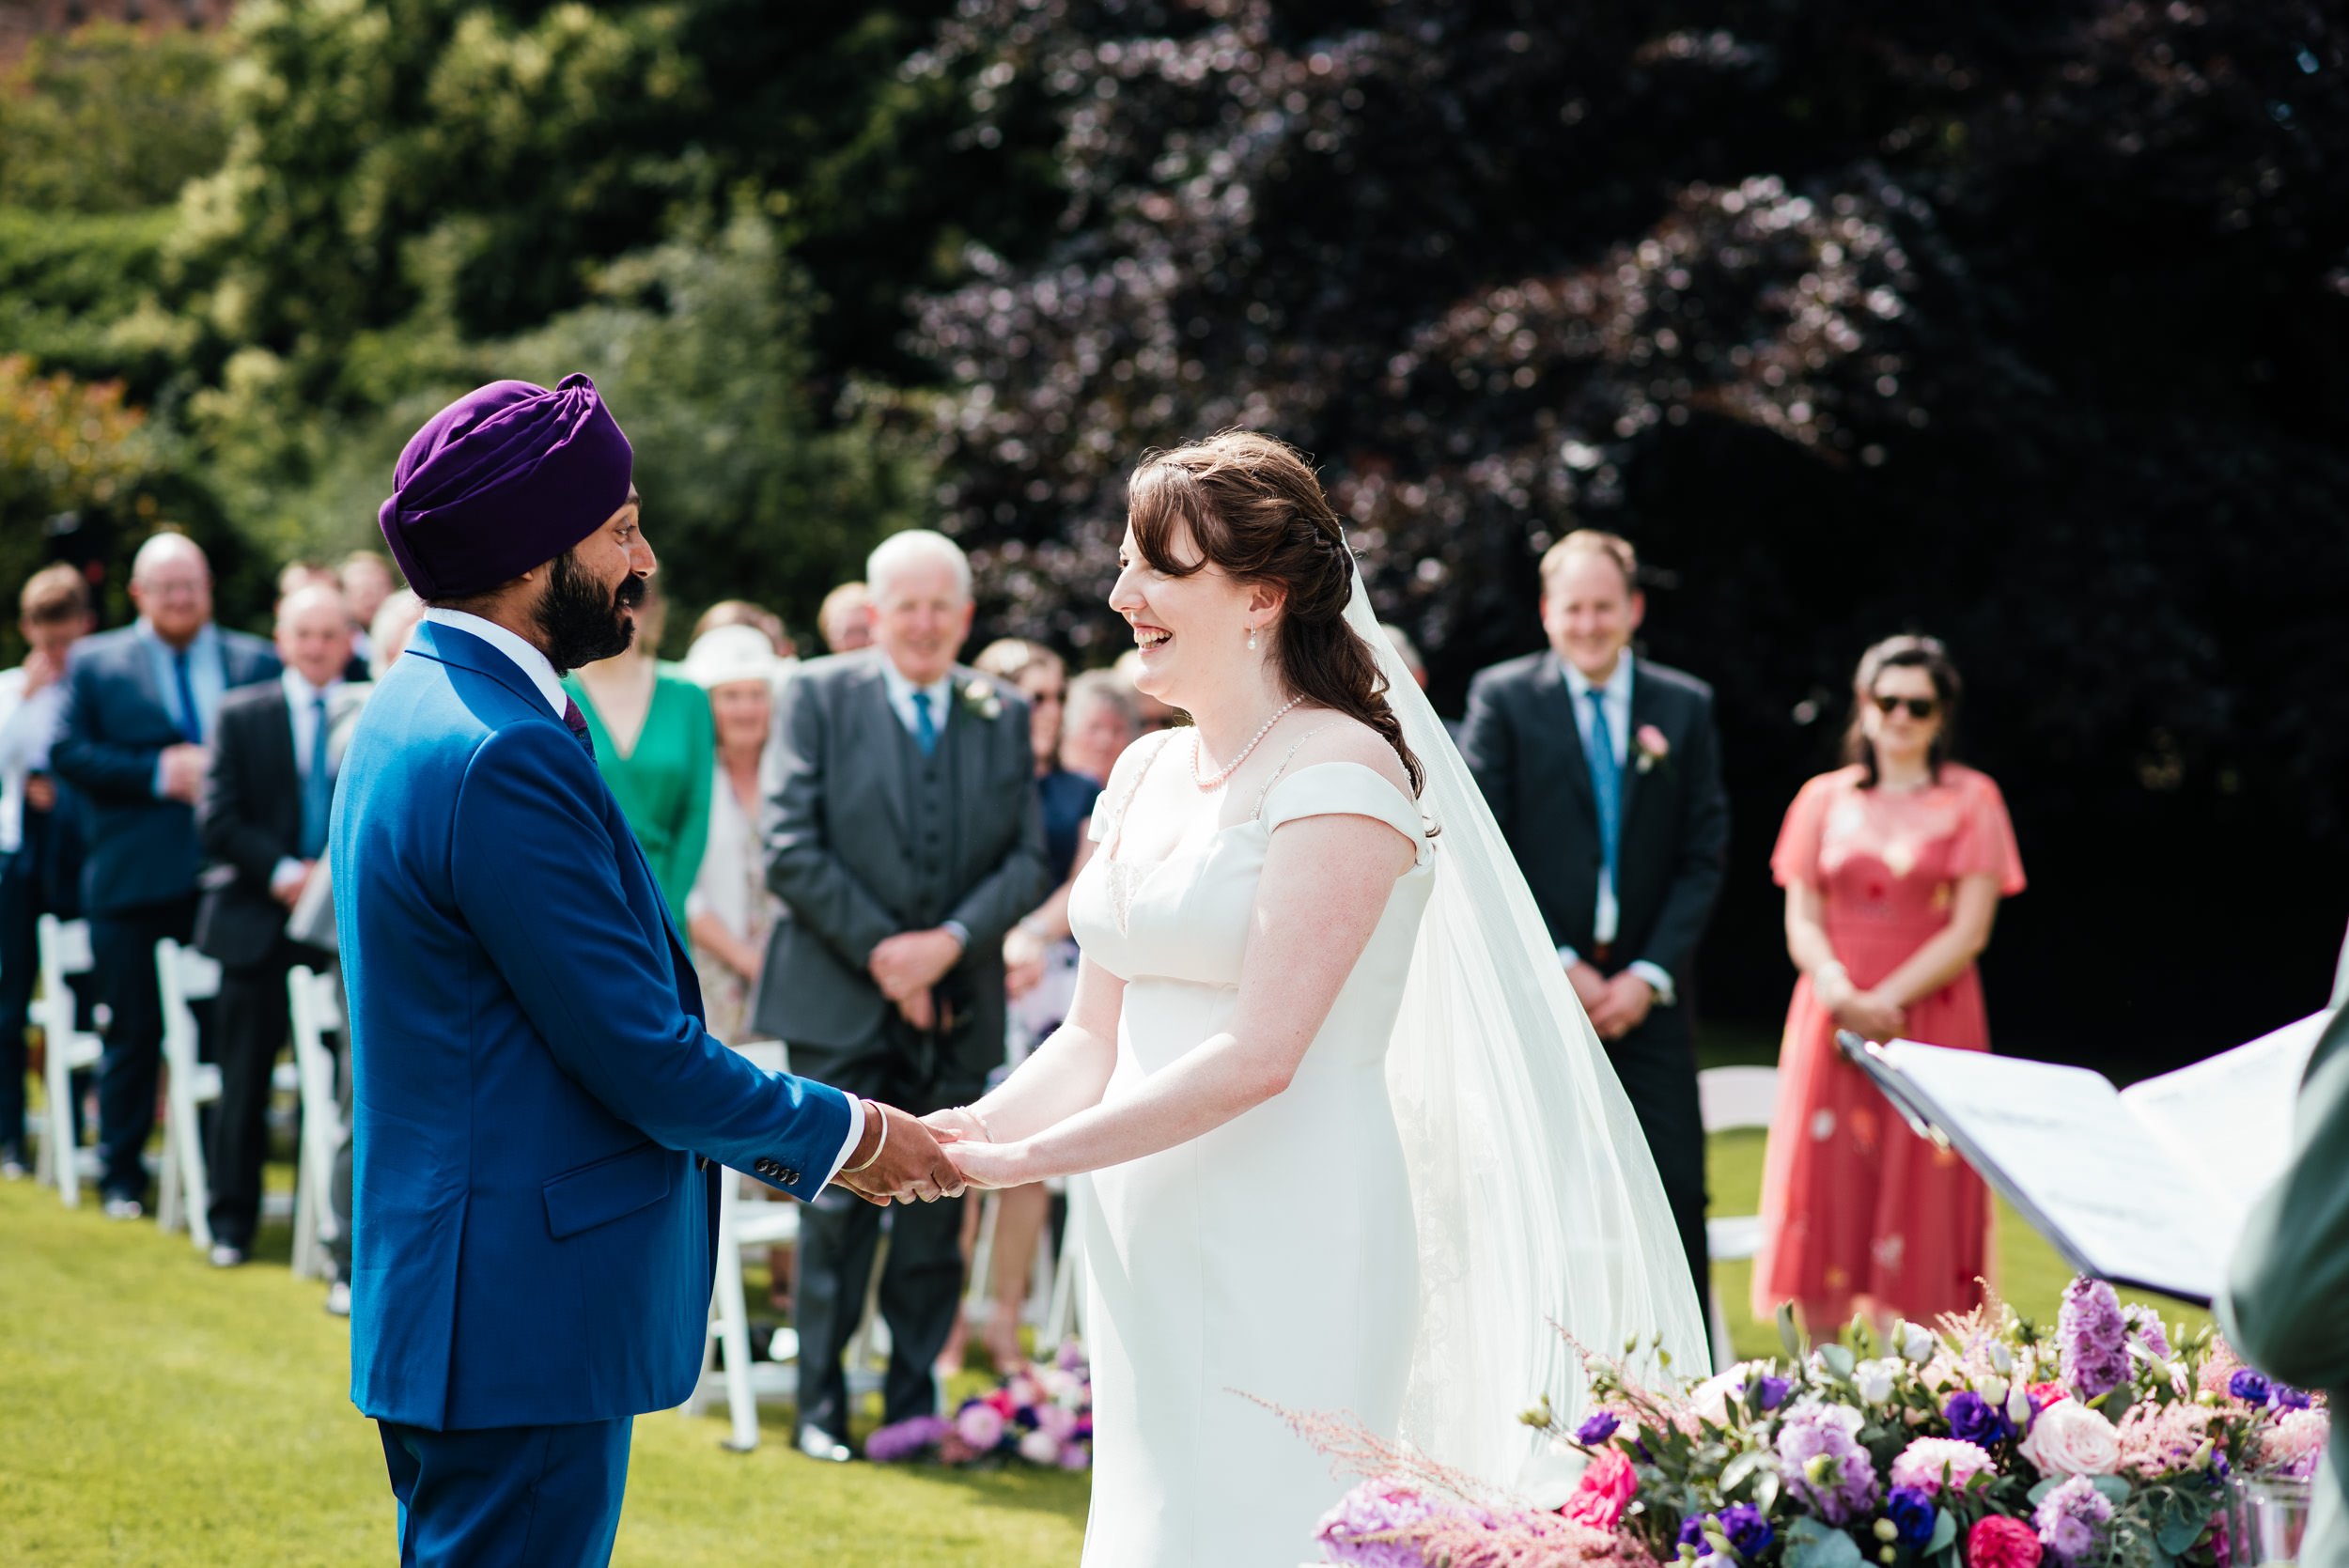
(1920, 708)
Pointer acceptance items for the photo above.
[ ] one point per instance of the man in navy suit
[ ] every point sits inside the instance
(1604, 772)
(540, 1119)
(135, 742)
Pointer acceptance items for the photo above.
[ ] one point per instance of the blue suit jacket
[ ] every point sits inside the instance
(140, 849)
(531, 1240)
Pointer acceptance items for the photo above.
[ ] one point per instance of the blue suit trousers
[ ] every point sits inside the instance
(534, 1497)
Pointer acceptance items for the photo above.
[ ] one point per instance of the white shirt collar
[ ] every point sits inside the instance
(299, 693)
(525, 653)
(901, 691)
(1618, 687)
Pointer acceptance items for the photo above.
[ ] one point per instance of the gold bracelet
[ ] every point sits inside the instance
(876, 1111)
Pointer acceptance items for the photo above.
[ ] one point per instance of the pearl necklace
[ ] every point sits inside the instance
(1232, 767)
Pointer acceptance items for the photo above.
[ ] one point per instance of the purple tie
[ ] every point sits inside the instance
(578, 723)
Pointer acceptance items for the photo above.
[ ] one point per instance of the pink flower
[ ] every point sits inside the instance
(2162, 1439)
(2070, 1439)
(1604, 1492)
(1653, 746)
(1926, 1462)
(979, 1424)
(2293, 1446)
(1998, 1542)
(1038, 1448)
(1073, 1456)
(1061, 1423)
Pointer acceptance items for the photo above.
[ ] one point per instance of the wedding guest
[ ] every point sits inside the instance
(1893, 867)
(2282, 1304)
(53, 613)
(845, 618)
(1603, 770)
(263, 823)
(902, 834)
(654, 746)
(730, 910)
(141, 708)
(1407, 651)
(1102, 718)
(1039, 956)
(741, 611)
(296, 575)
(387, 632)
(366, 581)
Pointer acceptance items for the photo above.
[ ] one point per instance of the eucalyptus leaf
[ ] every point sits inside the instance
(1838, 1359)
(1788, 1335)
(1944, 1532)
(2039, 1492)
(1812, 1544)
(2115, 1490)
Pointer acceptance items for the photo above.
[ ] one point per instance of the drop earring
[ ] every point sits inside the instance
(1251, 639)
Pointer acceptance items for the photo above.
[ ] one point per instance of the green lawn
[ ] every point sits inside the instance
(154, 1412)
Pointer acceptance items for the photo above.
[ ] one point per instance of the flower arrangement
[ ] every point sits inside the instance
(981, 700)
(1989, 1441)
(1038, 1415)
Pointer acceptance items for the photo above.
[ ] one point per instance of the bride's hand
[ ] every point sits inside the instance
(991, 1165)
(957, 1124)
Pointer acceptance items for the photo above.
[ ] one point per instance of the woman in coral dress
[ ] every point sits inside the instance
(1893, 869)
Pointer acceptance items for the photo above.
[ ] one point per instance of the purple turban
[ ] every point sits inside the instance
(506, 478)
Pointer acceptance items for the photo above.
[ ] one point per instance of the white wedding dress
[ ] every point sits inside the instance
(1274, 1258)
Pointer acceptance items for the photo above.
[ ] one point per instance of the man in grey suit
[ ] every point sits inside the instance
(1604, 772)
(904, 838)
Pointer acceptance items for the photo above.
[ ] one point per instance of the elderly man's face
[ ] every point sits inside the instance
(921, 616)
(314, 635)
(175, 593)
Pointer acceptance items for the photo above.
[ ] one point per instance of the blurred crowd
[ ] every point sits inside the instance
(867, 847)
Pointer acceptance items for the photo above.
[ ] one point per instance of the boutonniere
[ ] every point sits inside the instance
(980, 700)
(1654, 748)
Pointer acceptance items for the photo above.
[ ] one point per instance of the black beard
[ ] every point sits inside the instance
(581, 623)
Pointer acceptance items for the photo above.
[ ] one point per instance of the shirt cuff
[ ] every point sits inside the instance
(161, 793)
(1568, 957)
(856, 1136)
(288, 869)
(1659, 982)
(955, 929)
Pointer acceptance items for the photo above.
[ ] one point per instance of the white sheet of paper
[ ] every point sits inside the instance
(2065, 1139)
(2229, 1116)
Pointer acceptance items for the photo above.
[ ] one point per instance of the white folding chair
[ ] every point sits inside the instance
(743, 1222)
(1064, 1315)
(185, 976)
(316, 1011)
(66, 1049)
(978, 1296)
(1731, 1098)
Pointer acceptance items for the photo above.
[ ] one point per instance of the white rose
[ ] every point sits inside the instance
(1873, 1379)
(1037, 1448)
(1916, 1341)
(1550, 1474)
(2000, 1356)
(1710, 1398)
(2070, 1439)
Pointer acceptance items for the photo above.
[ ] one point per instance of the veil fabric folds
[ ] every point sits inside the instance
(1538, 1203)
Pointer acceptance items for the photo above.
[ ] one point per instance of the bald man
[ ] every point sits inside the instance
(263, 823)
(134, 740)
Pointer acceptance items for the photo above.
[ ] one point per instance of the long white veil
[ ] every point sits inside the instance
(1536, 1199)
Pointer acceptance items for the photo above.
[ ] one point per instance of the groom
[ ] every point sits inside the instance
(532, 1233)
(1604, 773)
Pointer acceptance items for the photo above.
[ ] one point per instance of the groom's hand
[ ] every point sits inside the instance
(910, 1166)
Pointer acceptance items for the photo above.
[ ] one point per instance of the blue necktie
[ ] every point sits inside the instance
(924, 727)
(191, 720)
(1606, 781)
(317, 787)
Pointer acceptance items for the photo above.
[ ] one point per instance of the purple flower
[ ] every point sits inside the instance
(1371, 1509)
(1692, 1531)
(2071, 1519)
(904, 1440)
(1750, 1534)
(2290, 1398)
(2145, 1323)
(1974, 1420)
(2094, 1338)
(1596, 1429)
(2249, 1386)
(1769, 1393)
(1818, 1449)
(1912, 1514)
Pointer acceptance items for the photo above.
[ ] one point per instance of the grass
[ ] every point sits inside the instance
(158, 1413)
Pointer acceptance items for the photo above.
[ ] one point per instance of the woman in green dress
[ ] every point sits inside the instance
(655, 747)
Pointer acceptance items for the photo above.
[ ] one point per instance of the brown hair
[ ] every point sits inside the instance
(1254, 510)
(1594, 541)
(1009, 658)
(53, 594)
(1903, 653)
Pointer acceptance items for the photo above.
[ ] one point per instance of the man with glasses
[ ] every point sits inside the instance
(135, 742)
(1603, 770)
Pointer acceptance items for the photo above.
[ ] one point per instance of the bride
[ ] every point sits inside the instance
(1356, 1147)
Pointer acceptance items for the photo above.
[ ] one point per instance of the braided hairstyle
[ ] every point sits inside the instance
(1251, 508)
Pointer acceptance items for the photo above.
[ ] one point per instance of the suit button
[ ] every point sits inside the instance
(767, 1168)
(789, 1176)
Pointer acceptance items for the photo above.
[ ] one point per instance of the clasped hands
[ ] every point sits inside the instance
(925, 1158)
(906, 965)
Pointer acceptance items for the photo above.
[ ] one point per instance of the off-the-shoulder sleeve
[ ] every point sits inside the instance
(1344, 789)
(1986, 844)
(1797, 857)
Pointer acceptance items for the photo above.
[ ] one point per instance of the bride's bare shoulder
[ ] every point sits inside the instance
(1337, 738)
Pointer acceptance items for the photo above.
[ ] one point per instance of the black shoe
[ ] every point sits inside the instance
(816, 1443)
